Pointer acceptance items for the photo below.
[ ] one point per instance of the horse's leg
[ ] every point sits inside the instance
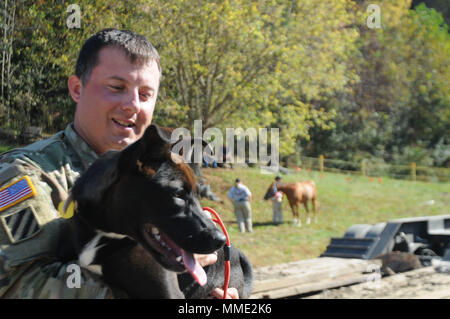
(293, 211)
(308, 218)
(297, 220)
(314, 204)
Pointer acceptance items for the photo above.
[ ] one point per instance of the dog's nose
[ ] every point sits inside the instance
(208, 241)
(219, 239)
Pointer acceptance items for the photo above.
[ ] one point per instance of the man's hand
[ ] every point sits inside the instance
(232, 293)
(206, 260)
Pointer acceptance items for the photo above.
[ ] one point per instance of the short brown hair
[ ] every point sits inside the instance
(136, 47)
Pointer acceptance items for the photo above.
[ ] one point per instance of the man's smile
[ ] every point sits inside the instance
(124, 123)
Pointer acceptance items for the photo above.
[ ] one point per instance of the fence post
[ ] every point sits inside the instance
(363, 167)
(321, 163)
(413, 171)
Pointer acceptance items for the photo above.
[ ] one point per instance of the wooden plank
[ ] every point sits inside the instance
(312, 287)
(440, 294)
(320, 269)
(307, 277)
(315, 264)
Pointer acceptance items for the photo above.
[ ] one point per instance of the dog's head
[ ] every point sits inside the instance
(149, 194)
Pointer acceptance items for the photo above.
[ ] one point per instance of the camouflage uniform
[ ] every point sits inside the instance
(29, 227)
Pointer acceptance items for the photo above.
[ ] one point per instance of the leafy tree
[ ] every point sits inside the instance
(400, 102)
(254, 64)
(311, 68)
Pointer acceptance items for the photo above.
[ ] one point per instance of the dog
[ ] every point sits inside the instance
(396, 262)
(138, 221)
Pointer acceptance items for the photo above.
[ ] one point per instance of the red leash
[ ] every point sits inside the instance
(226, 250)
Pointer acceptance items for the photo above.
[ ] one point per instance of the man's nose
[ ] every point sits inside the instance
(132, 103)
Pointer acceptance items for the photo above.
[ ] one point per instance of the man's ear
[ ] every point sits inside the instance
(75, 87)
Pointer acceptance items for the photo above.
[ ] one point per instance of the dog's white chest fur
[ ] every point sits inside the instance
(87, 255)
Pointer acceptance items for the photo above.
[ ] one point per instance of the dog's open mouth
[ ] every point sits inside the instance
(178, 258)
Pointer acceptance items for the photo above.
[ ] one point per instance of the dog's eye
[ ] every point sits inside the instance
(179, 198)
(179, 194)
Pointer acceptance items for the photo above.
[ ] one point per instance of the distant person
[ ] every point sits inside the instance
(205, 191)
(240, 195)
(277, 199)
(227, 158)
(209, 161)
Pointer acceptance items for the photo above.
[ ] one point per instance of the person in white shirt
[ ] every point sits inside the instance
(240, 195)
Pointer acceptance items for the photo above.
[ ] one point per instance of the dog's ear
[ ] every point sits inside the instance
(92, 185)
(148, 153)
(155, 144)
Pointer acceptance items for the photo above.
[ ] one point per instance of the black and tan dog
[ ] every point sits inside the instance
(139, 218)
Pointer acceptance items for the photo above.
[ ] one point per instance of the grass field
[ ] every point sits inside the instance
(345, 200)
(4, 146)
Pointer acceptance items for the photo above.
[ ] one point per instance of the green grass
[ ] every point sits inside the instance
(345, 200)
(4, 147)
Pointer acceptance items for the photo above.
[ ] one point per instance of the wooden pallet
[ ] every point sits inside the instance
(311, 275)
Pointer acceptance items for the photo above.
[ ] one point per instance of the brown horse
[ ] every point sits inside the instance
(297, 193)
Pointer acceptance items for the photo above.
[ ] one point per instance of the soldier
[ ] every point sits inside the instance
(115, 86)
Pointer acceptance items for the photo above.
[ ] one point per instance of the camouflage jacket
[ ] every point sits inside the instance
(33, 180)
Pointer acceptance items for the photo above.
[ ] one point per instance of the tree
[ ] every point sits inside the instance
(402, 96)
(263, 63)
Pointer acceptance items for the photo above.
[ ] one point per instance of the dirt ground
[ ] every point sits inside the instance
(425, 283)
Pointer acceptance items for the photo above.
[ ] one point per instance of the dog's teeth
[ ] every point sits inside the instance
(179, 259)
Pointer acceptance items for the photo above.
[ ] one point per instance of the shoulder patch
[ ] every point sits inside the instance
(16, 192)
(20, 225)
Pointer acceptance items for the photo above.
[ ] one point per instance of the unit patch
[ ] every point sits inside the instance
(20, 225)
(16, 192)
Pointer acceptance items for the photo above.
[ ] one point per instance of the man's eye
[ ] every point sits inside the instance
(115, 88)
(146, 96)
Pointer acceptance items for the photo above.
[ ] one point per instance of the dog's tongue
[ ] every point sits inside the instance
(194, 268)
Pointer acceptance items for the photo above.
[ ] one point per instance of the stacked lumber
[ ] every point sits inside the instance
(311, 275)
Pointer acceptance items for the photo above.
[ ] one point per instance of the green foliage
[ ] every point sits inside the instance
(311, 68)
(400, 105)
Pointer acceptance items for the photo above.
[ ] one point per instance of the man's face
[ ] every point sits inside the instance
(116, 104)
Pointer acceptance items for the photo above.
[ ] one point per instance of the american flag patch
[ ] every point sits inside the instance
(21, 225)
(16, 192)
